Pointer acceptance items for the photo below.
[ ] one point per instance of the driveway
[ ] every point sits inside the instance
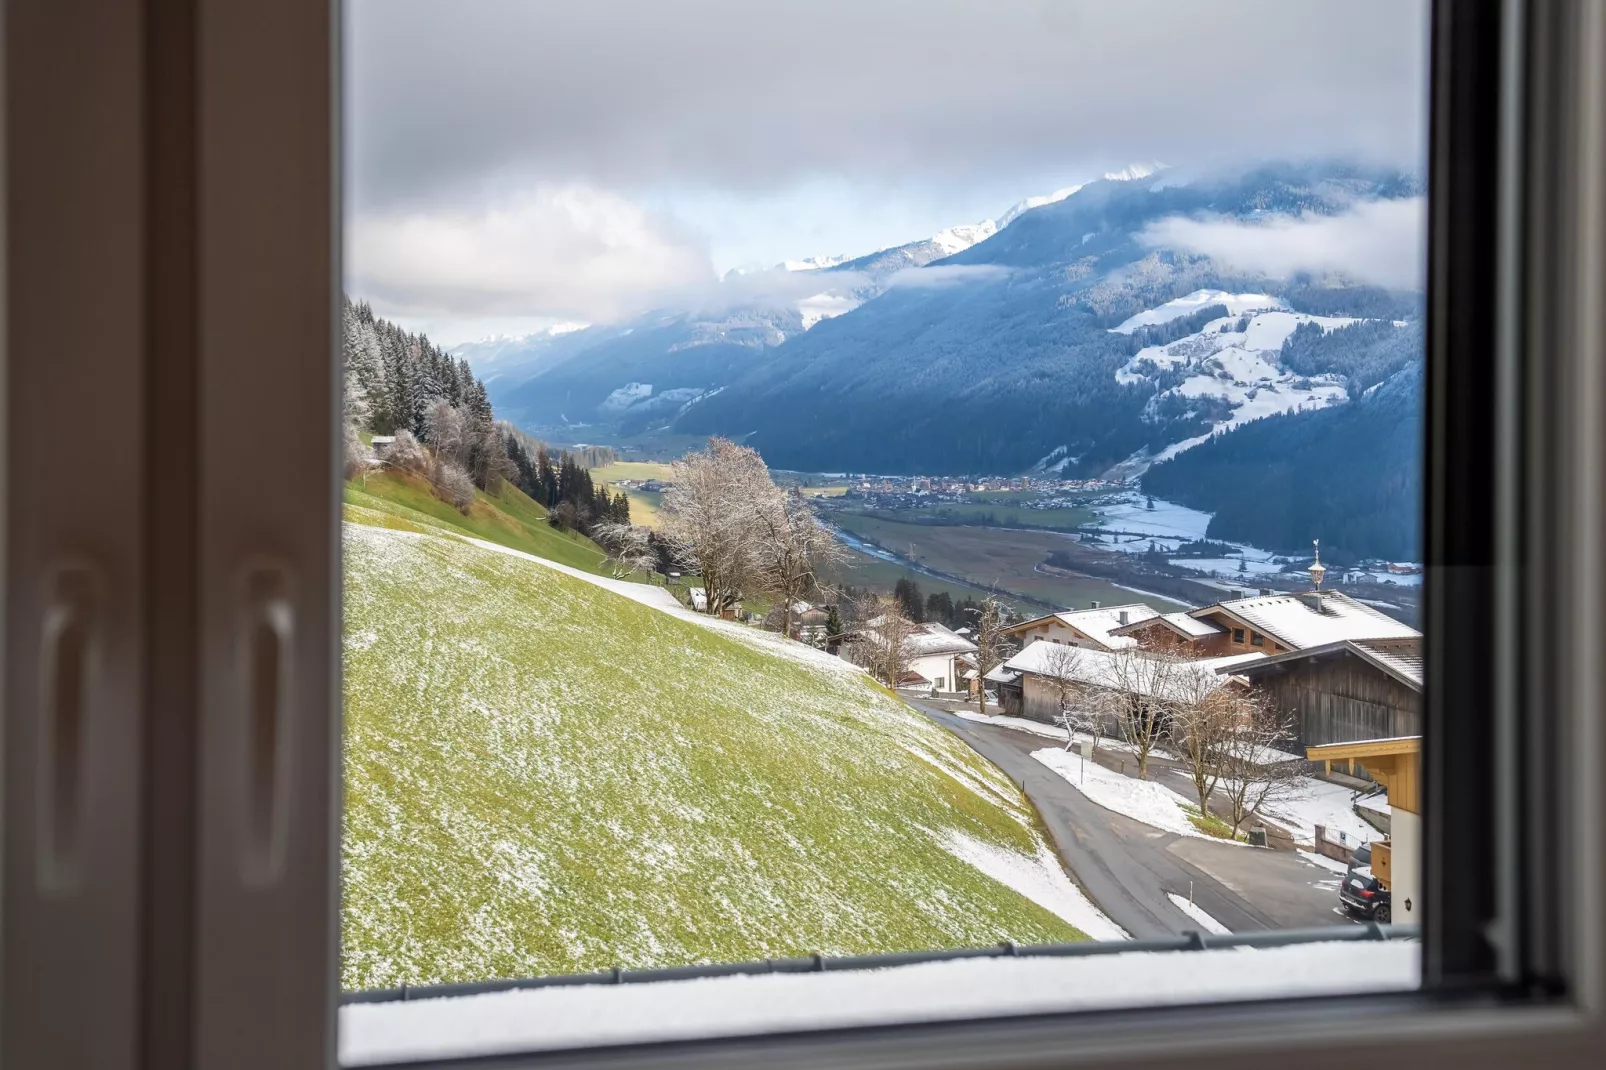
(1127, 867)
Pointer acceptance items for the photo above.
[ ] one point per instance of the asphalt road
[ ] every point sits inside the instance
(1127, 867)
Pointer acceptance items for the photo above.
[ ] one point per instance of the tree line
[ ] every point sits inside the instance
(403, 385)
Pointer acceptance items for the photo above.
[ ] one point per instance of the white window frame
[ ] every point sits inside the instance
(96, 975)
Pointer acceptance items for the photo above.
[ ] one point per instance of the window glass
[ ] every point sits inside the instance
(804, 468)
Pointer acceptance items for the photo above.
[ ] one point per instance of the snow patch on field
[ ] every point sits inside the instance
(1042, 880)
(1194, 911)
(1188, 304)
(1142, 800)
(745, 1005)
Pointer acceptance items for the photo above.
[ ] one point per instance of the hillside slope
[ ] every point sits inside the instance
(544, 776)
(1350, 476)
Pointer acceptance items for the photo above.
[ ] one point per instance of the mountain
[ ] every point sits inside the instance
(1022, 345)
(622, 378)
(1350, 476)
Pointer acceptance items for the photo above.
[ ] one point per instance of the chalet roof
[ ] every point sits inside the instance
(1099, 668)
(1098, 624)
(1292, 621)
(1400, 659)
(927, 640)
(1184, 625)
(1000, 674)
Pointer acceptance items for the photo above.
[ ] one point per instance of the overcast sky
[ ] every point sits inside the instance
(515, 163)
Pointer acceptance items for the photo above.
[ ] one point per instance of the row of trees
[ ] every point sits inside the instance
(402, 384)
(938, 606)
(1225, 736)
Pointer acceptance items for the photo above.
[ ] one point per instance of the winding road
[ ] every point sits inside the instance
(1127, 867)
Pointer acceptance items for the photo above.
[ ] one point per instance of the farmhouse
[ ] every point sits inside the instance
(1343, 691)
(1040, 668)
(932, 654)
(1093, 629)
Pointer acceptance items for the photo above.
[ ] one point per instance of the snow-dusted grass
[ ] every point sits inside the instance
(1197, 913)
(545, 776)
(1039, 879)
(1143, 800)
(553, 1018)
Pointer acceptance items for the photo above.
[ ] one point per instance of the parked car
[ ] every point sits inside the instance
(1361, 894)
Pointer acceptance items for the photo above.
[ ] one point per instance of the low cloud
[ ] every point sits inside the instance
(568, 252)
(1378, 242)
(940, 275)
(771, 288)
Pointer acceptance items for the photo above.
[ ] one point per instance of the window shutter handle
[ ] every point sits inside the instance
(69, 666)
(265, 660)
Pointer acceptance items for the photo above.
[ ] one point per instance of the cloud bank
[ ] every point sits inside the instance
(567, 252)
(1378, 242)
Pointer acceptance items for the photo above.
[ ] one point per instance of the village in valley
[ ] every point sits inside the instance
(1250, 702)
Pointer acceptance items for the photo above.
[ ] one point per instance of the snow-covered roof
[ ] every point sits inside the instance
(1294, 622)
(1099, 668)
(927, 640)
(1100, 624)
(1000, 674)
(1399, 658)
(1186, 626)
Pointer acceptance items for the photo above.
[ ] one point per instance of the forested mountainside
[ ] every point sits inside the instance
(402, 384)
(1350, 476)
(997, 356)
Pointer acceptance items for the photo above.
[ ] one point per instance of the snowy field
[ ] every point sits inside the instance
(550, 772)
(554, 1018)
(1232, 359)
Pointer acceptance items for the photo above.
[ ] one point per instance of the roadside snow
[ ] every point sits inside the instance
(1209, 924)
(1037, 728)
(1142, 800)
(1320, 802)
(1043, 881)
(544, 1019)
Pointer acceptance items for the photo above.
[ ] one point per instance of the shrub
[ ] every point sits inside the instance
(453, 485)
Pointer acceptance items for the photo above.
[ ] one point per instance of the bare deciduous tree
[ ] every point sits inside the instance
(881, 643)
(1138, 699)
(792, 552)
(989, 646)
(406, 454)
(446, 428)
(454, 485)
(1253, 770)
(710, 512)
(1060, 665)
(1203, 715)
(628, 546)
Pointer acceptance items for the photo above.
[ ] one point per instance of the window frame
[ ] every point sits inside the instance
(261, 209)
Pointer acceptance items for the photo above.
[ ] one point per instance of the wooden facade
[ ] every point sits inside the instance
(1158, 637)
(1338, 697)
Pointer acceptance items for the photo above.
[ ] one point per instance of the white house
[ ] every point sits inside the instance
(934, 652)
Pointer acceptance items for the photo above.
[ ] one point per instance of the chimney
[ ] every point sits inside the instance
(1122, 616)
(1313, 601)
(1095, 604)
(1236, 594)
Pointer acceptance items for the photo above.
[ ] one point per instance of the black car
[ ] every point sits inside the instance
(1361, 894)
